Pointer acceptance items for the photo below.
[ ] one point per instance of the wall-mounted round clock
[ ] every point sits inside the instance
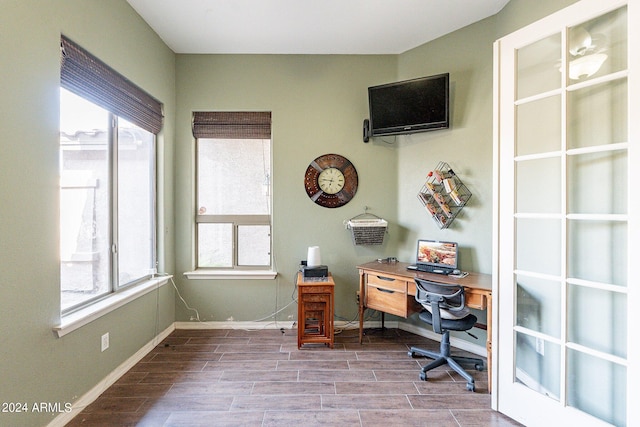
(331, 181)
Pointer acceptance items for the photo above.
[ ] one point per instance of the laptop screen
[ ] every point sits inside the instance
(437, 254)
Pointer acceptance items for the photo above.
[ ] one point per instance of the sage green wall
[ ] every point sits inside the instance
(519, 13)
(466, 146)
(35, 365)
(467, 54)
(318, 104)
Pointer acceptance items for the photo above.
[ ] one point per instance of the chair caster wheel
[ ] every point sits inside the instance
(479, 367)
(412, 355)
(423, 376)
(471, 387)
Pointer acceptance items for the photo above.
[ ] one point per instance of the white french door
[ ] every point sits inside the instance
(567, 217)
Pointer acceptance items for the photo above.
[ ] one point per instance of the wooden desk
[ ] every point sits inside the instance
(315, 310)
(390, 288)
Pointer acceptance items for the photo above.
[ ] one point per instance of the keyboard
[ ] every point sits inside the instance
(430, 269)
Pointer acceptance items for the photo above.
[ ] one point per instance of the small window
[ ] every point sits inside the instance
(233, 187)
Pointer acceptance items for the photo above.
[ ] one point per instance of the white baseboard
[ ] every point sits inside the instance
(455, 342)
(254, 326)
(109, 380)
(251, 326)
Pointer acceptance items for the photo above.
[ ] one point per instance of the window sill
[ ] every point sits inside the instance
(231, 274)
(77, 319)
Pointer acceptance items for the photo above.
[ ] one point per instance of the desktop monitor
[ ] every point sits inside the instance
(437, 257)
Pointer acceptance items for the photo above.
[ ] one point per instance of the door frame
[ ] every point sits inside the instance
(503, 307)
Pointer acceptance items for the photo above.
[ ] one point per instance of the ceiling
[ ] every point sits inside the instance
(308, 26)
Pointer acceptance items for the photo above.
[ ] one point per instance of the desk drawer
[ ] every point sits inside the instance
(477, 301)
(389, 301)
(388, 283)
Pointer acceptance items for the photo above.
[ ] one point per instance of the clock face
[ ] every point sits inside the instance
(331, 181)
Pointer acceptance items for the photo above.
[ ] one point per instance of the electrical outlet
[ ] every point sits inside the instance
(104, 342)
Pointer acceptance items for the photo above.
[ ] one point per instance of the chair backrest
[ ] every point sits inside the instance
(441, 296)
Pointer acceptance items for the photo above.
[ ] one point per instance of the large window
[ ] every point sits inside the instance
(233, 187)
(107, 183)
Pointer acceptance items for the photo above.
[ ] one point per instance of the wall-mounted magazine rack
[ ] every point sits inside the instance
(443, 195)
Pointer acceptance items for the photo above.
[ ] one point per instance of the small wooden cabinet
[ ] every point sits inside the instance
(315, 310)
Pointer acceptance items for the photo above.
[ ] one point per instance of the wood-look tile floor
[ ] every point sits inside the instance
(260, 378)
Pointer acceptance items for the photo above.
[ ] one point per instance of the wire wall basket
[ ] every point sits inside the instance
(367, 231)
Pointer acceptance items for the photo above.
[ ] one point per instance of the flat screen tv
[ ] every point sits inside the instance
(409, 106)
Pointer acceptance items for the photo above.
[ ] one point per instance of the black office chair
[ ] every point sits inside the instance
(445, 311)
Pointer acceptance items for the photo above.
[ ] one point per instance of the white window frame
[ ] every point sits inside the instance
(113, 280)
(236, 270)
(91, 79)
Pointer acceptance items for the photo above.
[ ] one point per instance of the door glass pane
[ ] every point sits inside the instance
(136, 232)
(538, 245)
(538, 67)
(537, 186)
(597, 387)
(597, 319)
(538, 365)
(85, 264)
(538, 305)
(254, 245)
(568, 144)
(598, 47)
(538, 126)
(598, 183)
(597, 115)
(597, 251)
(215, 245)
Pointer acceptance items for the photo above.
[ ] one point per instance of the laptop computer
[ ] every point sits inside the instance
(433, 256)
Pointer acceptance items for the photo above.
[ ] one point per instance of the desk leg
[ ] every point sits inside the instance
(361, 304)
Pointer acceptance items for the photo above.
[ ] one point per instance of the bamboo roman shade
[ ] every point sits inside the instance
(232, 125)
(88, 77)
